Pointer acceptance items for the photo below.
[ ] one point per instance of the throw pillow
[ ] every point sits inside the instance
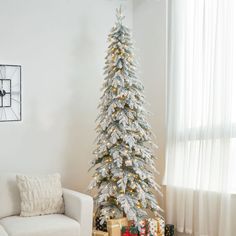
(40, 195)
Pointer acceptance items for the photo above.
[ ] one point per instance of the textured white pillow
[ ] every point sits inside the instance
(40, 195)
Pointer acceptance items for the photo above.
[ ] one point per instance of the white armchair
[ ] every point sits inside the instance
(79, 206)
(77, 220)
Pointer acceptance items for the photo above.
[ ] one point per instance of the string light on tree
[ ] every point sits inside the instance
(123, 158)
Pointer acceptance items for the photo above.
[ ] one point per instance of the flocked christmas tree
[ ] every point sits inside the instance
(123, 160)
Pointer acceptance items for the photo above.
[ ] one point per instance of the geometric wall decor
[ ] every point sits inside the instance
(10, 93)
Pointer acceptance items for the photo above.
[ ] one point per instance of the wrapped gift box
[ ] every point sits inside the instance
(114, 226)
(99, 233)
(143, 228)
(169, 230)
(100, 226)
(156, 227)
(152, 227)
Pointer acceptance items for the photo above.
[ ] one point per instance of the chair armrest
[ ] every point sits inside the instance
(79, 207)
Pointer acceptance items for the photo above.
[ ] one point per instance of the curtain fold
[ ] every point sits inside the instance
(201, 117)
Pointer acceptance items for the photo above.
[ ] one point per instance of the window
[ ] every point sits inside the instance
(201, 145)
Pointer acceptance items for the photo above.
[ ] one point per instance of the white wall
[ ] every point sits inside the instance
(61, 46)
(150, 34)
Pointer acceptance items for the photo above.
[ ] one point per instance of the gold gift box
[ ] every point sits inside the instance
(114, 226)
(99, 233)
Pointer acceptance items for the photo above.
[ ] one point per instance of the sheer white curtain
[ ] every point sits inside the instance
(201, 117)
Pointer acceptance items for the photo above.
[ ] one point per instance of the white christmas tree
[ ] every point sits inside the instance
(124, 161)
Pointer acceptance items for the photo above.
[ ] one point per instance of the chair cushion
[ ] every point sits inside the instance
(9, 195)
(2, 231)
(47, 225)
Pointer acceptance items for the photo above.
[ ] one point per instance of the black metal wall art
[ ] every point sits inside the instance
(10, 93)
